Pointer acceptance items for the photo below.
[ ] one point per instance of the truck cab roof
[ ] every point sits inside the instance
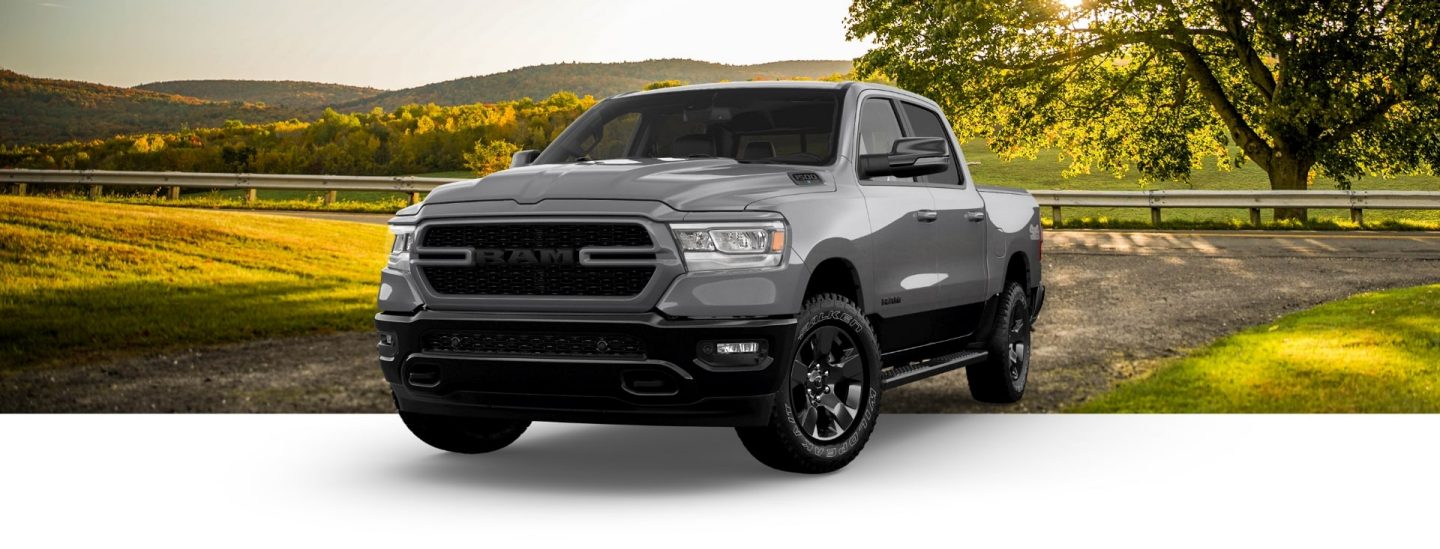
(847, 85)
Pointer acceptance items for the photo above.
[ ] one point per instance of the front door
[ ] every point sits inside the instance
(901, 233)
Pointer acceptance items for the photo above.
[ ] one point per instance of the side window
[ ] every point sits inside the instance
(926, 123)
(879, 128)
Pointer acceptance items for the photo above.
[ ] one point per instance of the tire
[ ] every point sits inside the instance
(464, 435)
(1001, 378)
(829, 399)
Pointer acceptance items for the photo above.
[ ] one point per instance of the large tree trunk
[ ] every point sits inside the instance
(1289, 173)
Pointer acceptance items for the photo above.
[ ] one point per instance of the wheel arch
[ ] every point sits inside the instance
(837, 275)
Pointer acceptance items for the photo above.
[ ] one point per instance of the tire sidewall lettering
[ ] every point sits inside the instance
(852, 439)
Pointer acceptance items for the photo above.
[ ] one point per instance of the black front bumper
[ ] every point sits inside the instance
(669, 384)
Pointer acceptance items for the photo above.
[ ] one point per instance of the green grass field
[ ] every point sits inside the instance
(89, 281)
(1373, 352)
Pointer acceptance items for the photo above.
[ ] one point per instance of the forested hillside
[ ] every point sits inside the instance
(41, 110)
(407, 140)
(281, 93)
(595, 79)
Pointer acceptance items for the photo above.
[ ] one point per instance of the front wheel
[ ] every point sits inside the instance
(1002, 377)
(464, 435)
(827, 404)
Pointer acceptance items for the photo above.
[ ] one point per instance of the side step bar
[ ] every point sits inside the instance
(910, 373)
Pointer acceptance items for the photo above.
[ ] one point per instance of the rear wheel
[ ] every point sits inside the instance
(464, 435)
(1002, 377)
(827, 404)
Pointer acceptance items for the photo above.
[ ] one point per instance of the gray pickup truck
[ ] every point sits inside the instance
(764, 256)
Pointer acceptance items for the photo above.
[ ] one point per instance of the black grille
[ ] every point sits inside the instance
(540, 280)
(537, 235)
(530, 279)
(533, 344)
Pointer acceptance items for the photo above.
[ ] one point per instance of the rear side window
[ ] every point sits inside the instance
(926, 123)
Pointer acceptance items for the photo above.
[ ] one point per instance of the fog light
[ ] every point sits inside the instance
(737, 347)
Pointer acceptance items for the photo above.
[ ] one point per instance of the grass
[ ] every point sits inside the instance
(354, 202)
(93, 281)
(1372, 352)
(1044, 173)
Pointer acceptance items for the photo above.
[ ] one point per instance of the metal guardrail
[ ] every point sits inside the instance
(1355, 201)
(96, 180)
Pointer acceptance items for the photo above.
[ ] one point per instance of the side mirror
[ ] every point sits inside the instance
(524, 158)
(910, 157)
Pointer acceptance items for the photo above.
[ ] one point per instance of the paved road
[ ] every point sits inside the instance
(1118, 302)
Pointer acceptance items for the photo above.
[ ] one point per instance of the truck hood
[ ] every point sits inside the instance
(718, 184)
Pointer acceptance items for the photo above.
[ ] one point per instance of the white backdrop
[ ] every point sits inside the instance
(924, 481)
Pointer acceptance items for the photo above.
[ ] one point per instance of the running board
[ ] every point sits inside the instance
(910, 373)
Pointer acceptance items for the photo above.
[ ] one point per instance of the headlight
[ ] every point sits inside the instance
(404, 239)
(715, 246)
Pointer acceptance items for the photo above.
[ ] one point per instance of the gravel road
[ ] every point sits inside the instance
(1117, 302)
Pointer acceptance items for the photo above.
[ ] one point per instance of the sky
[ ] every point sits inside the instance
(398, 44)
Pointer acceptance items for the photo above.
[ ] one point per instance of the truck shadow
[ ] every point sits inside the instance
(608, 460)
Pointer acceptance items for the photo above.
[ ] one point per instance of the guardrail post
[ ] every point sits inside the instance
(251, 194)
(329, 197)
(1055, 217)
(94, 192)
(174, 193)
(414, 198)
(19, 189)
(1255, 217)
(1155, 216)
(1357, 215)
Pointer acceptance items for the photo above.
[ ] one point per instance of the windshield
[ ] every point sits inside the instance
(776, 125)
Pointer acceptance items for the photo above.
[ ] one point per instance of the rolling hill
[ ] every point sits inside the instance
(282, 93)
(41, 110)
(597, 79)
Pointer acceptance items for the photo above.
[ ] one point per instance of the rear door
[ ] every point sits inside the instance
(901, 235)
(959, 230)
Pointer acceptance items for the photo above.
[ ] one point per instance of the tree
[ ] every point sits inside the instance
(663, 84)
(490, 157)
(1342, 89)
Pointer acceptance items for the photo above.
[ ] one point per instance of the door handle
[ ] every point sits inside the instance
(926, 216)
(975, 217)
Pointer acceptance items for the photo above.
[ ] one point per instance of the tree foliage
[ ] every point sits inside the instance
(1348, 88)
(283, 93)
(408, 140)
(490, 157)
(40, 110)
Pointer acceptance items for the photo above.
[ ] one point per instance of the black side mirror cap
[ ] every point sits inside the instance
(524, 158)
(909, 157)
